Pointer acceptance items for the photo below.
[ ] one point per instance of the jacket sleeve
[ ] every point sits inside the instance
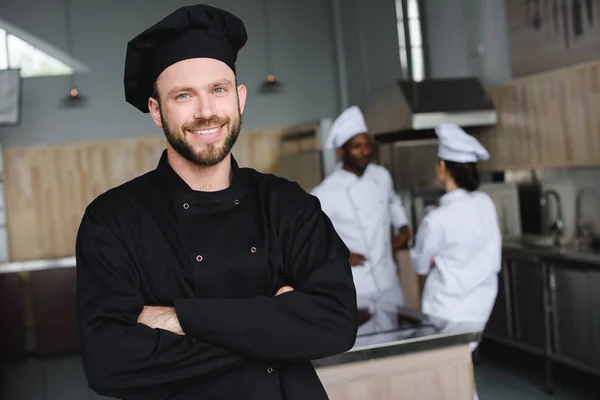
(121, 357)
(316, 320)
(427, 244)
(398, 214)
(397, 211)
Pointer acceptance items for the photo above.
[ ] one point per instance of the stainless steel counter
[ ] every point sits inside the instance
(37, 265)
(414, 332)
(548, 303)
(565, 253)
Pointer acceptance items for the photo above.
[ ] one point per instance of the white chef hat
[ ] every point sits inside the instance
(457, 145)
(349, 124)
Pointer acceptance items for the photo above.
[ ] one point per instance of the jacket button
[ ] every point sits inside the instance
(253, 249)
(199, 258)
(236, 202)
(270, 370)
(186, 206)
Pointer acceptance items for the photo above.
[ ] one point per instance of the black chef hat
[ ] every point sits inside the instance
(189, 32)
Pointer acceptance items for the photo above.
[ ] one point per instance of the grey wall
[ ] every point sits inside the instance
(370, 46)
(468, 38)
(464, 38)
(304, 59)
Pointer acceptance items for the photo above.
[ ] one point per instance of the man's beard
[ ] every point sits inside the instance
(210, 155)
(356, 165)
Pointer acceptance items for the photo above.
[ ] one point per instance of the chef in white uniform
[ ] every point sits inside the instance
(458, 245)
(359, 199)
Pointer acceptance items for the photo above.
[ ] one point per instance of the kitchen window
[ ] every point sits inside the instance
(409, 19)
(34, 57)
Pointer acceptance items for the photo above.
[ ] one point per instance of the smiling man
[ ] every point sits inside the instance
(201, 279)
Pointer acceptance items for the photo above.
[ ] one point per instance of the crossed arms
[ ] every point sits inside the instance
(157, 317)
(131, 350)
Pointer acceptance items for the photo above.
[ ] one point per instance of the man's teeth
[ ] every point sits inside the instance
(206, 131)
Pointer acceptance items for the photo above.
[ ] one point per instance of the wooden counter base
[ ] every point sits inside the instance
(441, 374)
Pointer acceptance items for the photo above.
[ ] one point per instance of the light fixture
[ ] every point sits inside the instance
(74, 98)
(270, 84)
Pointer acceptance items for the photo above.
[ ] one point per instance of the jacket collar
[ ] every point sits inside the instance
(179, 191)
(455, 195)
(351, 176)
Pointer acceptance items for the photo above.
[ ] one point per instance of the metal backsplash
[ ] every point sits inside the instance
(412, 164)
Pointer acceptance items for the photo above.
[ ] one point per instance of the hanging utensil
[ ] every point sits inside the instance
(537, 18)
(527, 12)
(555, 16)
(565, 17)
(589, 10)
(577, 11)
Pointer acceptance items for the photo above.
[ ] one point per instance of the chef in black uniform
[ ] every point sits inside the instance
(201, 279)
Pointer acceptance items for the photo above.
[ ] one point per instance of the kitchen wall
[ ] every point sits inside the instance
(304, 60)
(567, 182)
(464, 38)
(369, 49)
(468, 38)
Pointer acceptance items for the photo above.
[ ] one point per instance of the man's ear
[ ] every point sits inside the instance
(242, 92)
(442, 165)
(154, 108)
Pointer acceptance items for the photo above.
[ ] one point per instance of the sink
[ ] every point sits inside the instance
(545, 242)
(538, 241)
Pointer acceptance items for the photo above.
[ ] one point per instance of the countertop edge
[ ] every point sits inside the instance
(37, 265)
(400, 347)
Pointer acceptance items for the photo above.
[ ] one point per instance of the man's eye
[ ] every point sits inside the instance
(220, 90)
(182, 95)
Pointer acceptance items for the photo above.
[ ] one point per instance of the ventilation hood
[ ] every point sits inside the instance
(408, 110)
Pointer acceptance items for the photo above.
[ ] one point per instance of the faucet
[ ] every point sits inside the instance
(581, 231)
(558, 226)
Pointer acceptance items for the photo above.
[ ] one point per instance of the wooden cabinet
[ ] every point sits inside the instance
(546, 120)
(500, 323)
(574, 318)
(528, 300)
(12, 320)
(53, 299)
(441, 374)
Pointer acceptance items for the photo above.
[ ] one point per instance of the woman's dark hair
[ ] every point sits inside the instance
(465, 175)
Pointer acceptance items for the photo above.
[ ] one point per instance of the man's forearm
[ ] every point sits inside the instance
(161, 318)
(165, 318)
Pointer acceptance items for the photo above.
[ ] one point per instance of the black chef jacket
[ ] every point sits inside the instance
(218, 258)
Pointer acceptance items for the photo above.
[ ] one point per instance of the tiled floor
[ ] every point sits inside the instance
(507, 374)
(503, 374)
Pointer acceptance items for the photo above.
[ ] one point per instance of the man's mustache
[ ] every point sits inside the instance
(206, 123)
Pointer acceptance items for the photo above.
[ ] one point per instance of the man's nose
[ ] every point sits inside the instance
(205, 108)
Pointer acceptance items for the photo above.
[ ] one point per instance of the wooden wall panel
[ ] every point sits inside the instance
(48, 188)
(546, 121)
(550, 34)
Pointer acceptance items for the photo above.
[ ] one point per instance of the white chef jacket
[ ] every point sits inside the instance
(363, 210)
(463, 239)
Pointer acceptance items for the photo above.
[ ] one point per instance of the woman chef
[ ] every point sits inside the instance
(458, 245)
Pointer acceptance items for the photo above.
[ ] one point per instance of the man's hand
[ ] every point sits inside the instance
(283, 289)
(399, 242)
(160, 318)
(363, 315)
(356, 259)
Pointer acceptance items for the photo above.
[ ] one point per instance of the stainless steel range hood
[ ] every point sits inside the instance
(407, 110)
